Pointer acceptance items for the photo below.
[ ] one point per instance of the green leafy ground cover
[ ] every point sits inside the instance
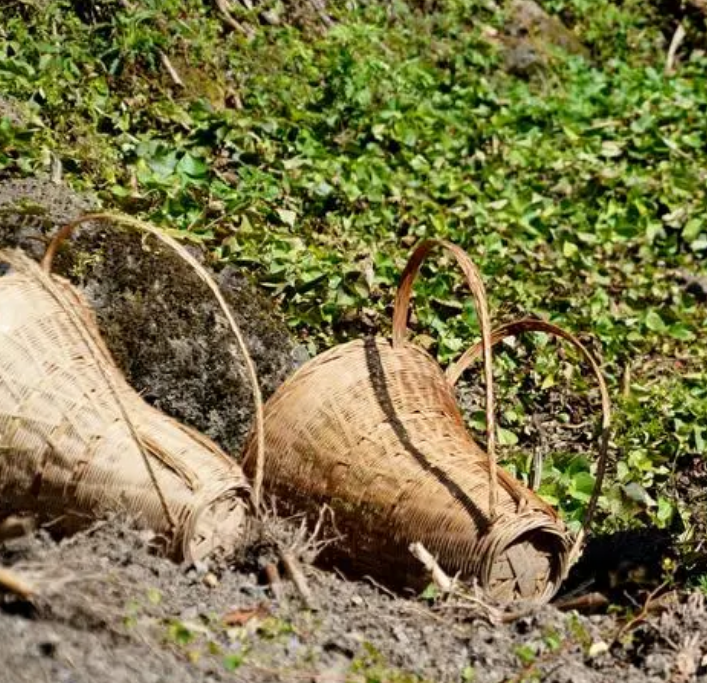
(315, 158)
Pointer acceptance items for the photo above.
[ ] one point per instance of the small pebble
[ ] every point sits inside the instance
(201, 567)
(598, 648)
(210, 580)
(189, 613)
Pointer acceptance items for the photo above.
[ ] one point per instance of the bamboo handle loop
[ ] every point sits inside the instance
(476, 285)
(516, 327)
(173, 244)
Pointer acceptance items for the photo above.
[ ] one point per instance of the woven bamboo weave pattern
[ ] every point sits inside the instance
(372, 429)
(385, 446)
(67, 452)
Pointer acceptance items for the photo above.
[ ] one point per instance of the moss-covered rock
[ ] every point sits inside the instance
(162, 325)
(531, 34)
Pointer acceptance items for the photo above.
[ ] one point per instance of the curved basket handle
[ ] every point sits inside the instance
(173, 244)
(476, 285)
(516, 327)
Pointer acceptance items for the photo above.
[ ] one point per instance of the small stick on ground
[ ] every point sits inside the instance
(57, 169)
(16, 584)
(588, 601)
(173, 73)
(225, 12)
(274, 581)
(675, 44)
(379, 586)
(643, 614)
(294, 571)
(439, 577)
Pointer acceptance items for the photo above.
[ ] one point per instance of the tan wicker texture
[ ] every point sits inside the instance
(372, 429)
(77, 442)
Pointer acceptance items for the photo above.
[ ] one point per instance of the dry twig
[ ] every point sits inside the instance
(648, 606)
(588, 601)
(675, 44)
(439, 577)
(17, 584)
(224, 9)
(274, 581)
(169, 67)
(294, 571)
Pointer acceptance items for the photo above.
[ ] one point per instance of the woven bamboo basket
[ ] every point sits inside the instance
(77, 443)
(372, 429)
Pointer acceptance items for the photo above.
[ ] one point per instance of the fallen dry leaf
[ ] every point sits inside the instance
(239, 617)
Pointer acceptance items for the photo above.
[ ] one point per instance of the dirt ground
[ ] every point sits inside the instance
(110, 611)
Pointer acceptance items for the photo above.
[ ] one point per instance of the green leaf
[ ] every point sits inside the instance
(287, 217)
(180, 634)
(506, 437)
(163, 165)
(468, 674)
(548, 382)
(681, 331)
(665, 511)
(570, 249)
(582, 486)
(611, 149)
(526, 653)
(654, 322)
(692, 229)
(192, 166)
(232, 662)
(431, 592)
(637, 493)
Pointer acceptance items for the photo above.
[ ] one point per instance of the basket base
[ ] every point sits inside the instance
(528, 568)
(219, 529)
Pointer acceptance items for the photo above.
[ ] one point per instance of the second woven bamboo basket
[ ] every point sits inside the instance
(372, 429)
(77, 443)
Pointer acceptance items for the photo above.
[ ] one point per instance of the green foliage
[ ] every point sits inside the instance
(527, 654)
(315, 161)
(180, 634)
(701, 583)
(232, 662)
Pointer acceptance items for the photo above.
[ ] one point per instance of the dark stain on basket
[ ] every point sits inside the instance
(380, 388)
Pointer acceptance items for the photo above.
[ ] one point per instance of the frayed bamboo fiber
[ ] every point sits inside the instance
(372, 429)
(77, 443)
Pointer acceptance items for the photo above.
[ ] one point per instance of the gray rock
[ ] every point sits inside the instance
(11, 110)
(530, 36)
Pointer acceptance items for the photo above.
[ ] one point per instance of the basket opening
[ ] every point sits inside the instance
(218, 529)
(530, 568)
